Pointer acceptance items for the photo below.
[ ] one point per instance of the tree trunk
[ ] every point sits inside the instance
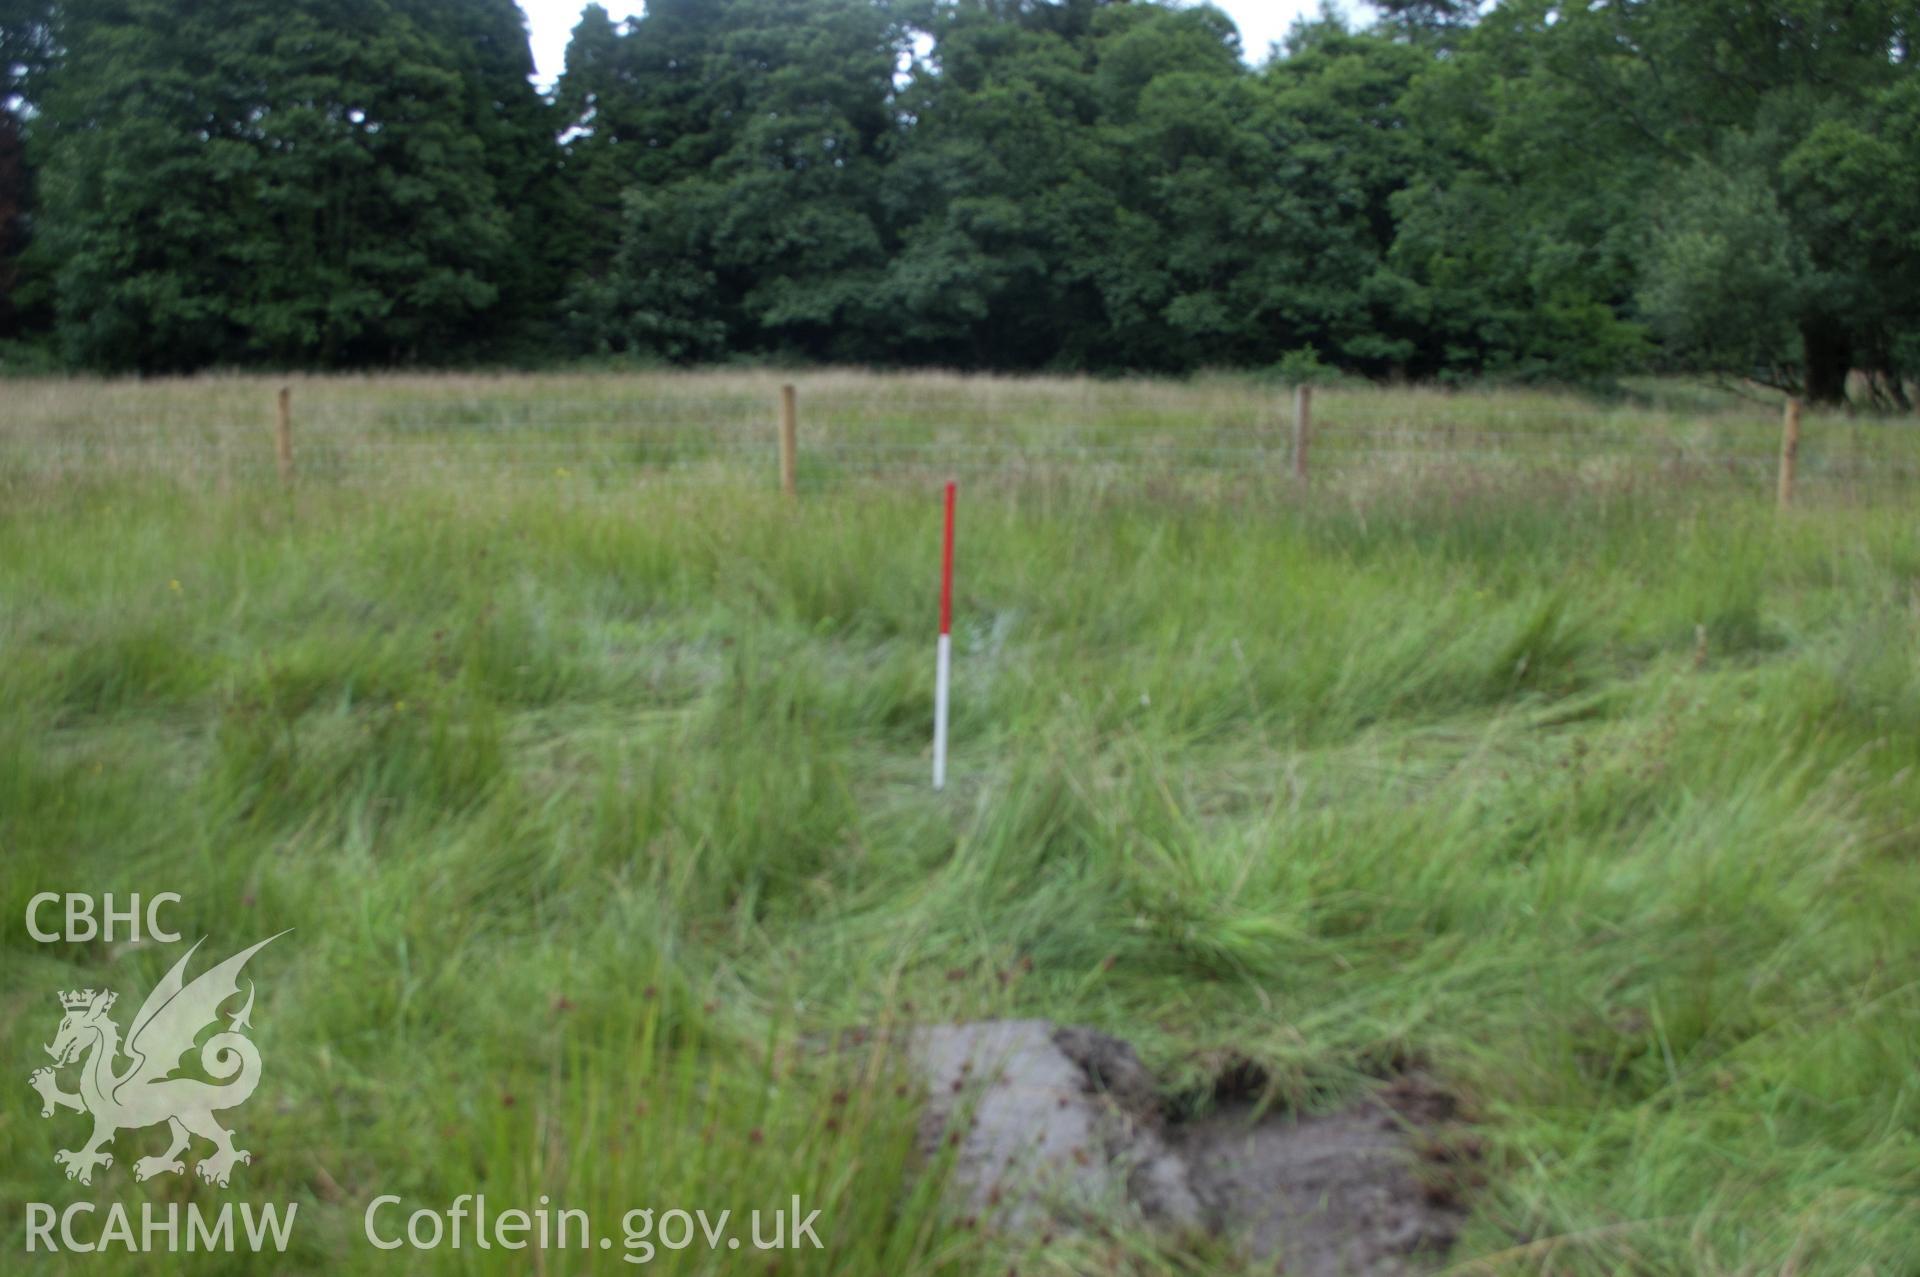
(1828, 354)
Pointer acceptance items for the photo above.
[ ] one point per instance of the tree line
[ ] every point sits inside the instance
(1526, 189)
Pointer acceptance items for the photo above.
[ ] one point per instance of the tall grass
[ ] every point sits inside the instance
(597, 801)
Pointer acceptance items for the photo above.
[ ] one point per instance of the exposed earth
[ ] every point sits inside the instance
(1052, 1126)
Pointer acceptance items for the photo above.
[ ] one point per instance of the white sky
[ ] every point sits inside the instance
(552, 21)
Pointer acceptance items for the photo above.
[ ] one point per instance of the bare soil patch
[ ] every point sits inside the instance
(1051, 1127)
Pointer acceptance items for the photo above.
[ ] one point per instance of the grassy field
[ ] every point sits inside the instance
(1529, 744)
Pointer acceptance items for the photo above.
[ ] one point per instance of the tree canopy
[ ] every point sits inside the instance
(1519, 189)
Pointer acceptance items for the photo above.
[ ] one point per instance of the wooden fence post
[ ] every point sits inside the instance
(283, 435)
(1789, 450)
(789, 441)
(1302, 423)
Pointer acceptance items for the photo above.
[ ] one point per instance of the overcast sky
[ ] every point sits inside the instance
(551, 21)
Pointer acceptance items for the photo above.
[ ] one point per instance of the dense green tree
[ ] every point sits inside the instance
(1852, 186)
(1426, 21)
(752, 134)
(1519, 229)
(998, 197)
(25, 47)
(1329, 147)
(1695, 115)
(1464, 188)
(1786, 123)
(322, 181)
(15, 192)
(486, 41)
(1181, 170)
(586, 98)
(1131, 196)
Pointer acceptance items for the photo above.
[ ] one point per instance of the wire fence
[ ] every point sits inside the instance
(875, 429)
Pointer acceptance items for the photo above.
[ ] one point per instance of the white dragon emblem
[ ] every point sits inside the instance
(144, 1093)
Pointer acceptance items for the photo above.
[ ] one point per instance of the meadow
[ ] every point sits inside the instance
(1528, 744)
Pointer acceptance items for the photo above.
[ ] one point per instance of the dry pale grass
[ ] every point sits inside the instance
(1206, 437)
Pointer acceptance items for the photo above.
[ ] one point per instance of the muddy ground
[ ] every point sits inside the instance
(1051, 1127)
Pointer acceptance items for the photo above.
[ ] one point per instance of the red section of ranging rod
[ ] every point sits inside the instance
(946, 570)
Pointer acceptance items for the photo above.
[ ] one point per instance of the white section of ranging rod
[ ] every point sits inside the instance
(942, 673)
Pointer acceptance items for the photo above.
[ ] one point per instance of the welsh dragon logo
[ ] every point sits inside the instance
(144, 1092)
